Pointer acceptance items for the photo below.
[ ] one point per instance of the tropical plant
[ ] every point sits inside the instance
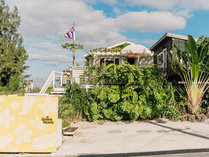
(203, 53)
(67, 113)
(129, 92)
(49, 89)
(76, 96)
(72, 47)
(195, 80)
(122, 92)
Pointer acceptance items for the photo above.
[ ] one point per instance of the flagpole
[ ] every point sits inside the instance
(74, 45)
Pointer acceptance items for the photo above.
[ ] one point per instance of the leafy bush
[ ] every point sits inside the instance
(49, 89)
(76, 99)
(66, 113)
(122, 92)
(15, 85)
(129, 92)
(173, 113)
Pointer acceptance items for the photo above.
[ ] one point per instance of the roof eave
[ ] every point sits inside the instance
(171, 35)
(120, 44)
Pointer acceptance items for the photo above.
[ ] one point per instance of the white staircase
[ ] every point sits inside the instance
(51, 79)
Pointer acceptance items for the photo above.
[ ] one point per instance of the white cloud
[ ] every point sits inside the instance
(144, 42)
(51, 54)
(151, 22)
(172, 4)
(42, 19)
(44, 23)
(183, 8)
(46, 45)
(49, 57)
(53, 60)
(110, 2)
(183, 13)
(159, 4)
(117, 11)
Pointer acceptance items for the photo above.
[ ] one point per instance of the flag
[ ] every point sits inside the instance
(70, 34)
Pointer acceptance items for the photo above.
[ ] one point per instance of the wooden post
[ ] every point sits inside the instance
(74, 46)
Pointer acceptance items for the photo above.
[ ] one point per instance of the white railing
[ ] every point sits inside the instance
(77, 76)
(51, 78)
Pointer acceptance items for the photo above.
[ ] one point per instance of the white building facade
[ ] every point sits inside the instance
(121, 53)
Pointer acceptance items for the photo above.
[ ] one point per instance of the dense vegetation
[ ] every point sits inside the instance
(113, 49)
(130, 92)
(121, 92)
(127, 92)
(12, 52)
(192, 66)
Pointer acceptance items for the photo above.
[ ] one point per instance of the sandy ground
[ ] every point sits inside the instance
(138, 136)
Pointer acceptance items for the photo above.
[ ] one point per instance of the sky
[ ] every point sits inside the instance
(101, 23)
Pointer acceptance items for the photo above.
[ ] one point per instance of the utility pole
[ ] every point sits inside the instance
(74, 45)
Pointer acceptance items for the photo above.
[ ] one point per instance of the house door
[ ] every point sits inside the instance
(131, 61)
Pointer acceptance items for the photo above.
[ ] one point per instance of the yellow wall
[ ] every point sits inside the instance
(24, 125)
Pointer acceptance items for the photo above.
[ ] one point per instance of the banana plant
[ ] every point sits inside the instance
(195, 80)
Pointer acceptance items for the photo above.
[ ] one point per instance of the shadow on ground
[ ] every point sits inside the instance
(150, 153)
(158, 152)
(180, 130)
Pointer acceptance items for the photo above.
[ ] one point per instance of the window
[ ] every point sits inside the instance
(109, 61)
(162, 59)
(117, 61)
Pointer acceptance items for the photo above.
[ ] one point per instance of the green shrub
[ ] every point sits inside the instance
(49, 89)
(124, 92)
(66, 113)
(173, 113)
(76, 96)
(16, 85)
(131, 92)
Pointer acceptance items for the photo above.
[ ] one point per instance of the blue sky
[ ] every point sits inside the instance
(101, 23)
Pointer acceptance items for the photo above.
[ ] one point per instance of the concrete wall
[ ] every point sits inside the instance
(28, 123)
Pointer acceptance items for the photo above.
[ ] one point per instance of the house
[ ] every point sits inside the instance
(124, 52)
(163, 46)
(121, 53)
